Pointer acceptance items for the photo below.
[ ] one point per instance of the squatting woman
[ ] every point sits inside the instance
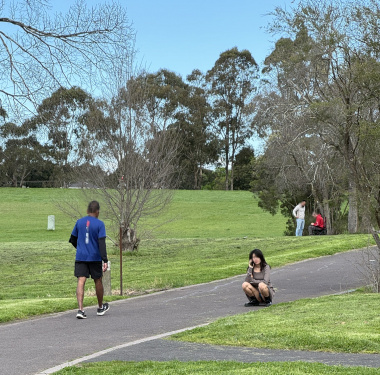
(257, 285)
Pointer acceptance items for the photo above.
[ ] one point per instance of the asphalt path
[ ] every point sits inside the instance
(135, 327)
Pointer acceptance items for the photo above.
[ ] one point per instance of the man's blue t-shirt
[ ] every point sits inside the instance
(88, 230)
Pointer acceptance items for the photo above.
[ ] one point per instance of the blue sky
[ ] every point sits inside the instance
(184, 35)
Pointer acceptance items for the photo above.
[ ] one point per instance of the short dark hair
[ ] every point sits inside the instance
(317, 211)
(93, 207)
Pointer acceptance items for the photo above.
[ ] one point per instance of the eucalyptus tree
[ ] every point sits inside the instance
(199, 146)
(319, 64)
(59, 127)
(245, 166)
(165, 93)
(232, 86)
(297, 164)
(22, 155)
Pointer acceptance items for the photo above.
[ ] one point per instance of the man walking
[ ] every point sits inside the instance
(299, 214)
(89, 238)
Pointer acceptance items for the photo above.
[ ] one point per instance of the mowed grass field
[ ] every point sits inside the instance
(191, 214)
(204, 236)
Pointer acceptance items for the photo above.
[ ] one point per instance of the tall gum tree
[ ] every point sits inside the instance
(58, 125)
(231, 87)
(199, 146)
(332, 41)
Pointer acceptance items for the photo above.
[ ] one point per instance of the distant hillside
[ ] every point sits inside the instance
(191, 214)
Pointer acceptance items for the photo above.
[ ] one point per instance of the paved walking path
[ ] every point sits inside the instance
(133, 329)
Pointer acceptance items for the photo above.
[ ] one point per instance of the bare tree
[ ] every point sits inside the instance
(138, 159)
(42, 51)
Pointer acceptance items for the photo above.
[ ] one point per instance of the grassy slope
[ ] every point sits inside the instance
(24, 214)
(192, 214)
(218, 214)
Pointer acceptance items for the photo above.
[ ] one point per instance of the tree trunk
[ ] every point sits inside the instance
(195, 178)
(226, 169)
(377, 209)
(326, 210)
(200, 177)
(227, 150)
(232, 158)
(129, 240)
(232, 176)
(353, 207)
(375, 236)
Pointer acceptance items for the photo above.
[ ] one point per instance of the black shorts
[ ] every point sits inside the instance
(85, 269)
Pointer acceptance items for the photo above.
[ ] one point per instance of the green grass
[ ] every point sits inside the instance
(42, 271)
(207, 236)
(214, 368)
(191, 214)
(24, 214)
(218, 214)
(344, 323)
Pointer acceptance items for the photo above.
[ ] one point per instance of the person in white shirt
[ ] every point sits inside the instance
(299, 214)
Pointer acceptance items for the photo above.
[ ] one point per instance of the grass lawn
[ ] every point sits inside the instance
(209, 239)
(191, 214)
(344, 323)
(214, 368)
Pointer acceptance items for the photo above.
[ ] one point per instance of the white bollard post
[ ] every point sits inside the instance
(107, 281)
(51, 222)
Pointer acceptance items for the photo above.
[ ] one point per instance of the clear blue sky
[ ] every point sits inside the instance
(182, 35)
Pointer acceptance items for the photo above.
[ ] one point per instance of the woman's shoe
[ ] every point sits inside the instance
(252, 302)
(268, 301)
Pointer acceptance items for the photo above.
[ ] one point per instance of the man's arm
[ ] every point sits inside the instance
(73, 240)
(103, 249)
(319, 222)
(295, 211)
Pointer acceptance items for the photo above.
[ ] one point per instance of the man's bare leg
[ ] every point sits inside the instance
(99, 291)
(80, 291)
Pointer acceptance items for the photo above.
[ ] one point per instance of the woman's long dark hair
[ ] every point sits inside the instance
(260, 255)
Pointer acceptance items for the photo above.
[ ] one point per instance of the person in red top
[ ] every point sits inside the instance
(319, 225)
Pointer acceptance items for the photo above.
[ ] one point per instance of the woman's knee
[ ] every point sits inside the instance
(245, 285)
(263, 287)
